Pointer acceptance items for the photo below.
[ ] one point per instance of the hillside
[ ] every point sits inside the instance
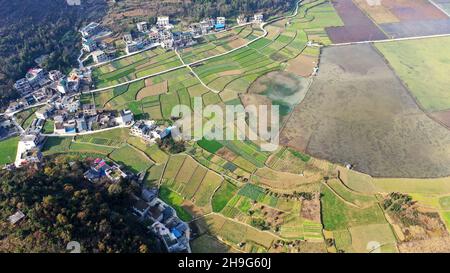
(59, 207)
(29, 29)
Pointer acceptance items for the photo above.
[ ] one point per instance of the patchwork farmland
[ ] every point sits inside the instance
(359, 122)
(366, 20)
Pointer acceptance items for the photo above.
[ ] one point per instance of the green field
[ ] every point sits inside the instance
(338, 215)
(131, 158)
(423, 65)
(175, 200)
(113, 138)
(211, 146)
(133, 67)
(8, 149)
(223, 195)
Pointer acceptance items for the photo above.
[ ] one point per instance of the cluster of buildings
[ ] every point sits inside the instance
(40, 86)
(148, 131)
(160, 34)
(160, 218)
(91, 33)
(7, 128)
(29, 146)
(163, 221)
(69, 117)
(99, 169)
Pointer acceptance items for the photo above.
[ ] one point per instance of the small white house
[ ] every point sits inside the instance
(258, 18)
(242, 19)
(125, 117)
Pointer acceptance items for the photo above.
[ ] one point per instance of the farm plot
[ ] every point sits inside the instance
(417, 28)
(288, 160)
(264, 210)
(235, 167)
(357, 26)
(152, 89)
(283, 89)
(229, 40)
(235, 233)
(317, 15)
(131, 158)
(423, 66)
(362, 236)
(443, 4)
(358, 199)
(221, 197)
(378, 131)
(152, 151)
(143, 67)
(113, 138)
(193, 182)
(338, 214)
(8, 149)
(284, 181)
(25, 117)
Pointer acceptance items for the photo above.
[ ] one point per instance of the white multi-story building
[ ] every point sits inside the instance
(27, 149)
(142, 26)
(221, 20)
(163, 22)
(23, 87)
(127, 38)
(125, 117)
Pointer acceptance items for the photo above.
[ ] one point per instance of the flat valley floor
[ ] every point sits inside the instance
(358, 112)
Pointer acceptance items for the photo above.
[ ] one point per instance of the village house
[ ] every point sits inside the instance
(28, 148)
(69, 104)
(146, 130)
(258, 18)
(207, 25)
(16, 217)
(163, 22)
(90, 30)
(142, 26)
(99, 56)
(35, 76)
(23, 87)
(55, 75)
(153, 36)
(220, 23)
(125, 117)
(100, 169)
(61, 86)
(127, 38)
(166, 39)
(241, 19)
(183, 39)
(89, 45)
(89, 110)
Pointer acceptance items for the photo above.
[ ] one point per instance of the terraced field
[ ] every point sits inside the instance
(135, 66)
